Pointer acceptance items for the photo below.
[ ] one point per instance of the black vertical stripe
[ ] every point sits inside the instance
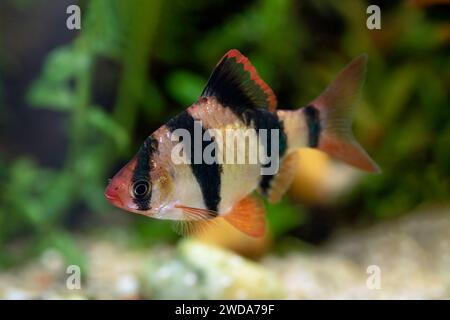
(259, 118)
(208, 176)
(142, 170)
(313, 123)
(263, 119)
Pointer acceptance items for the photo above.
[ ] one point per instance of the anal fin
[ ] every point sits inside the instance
(284, 178)
(248, 216)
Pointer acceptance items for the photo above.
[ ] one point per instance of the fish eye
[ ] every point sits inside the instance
(141, 189)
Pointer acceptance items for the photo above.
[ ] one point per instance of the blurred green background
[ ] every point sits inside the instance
(76, 105)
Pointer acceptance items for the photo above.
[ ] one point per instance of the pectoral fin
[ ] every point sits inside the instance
(192, 213)
(197, 220)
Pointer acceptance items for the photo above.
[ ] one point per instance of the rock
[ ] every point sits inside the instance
(311, 276)
(16, 294)
(411, 254)
(127, 286)
(199, 271)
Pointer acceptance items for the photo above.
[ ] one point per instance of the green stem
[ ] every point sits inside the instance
(144, 18)
(143, 15)
(79, 116)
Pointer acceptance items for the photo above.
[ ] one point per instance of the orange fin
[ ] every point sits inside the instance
(349, 151)
(248, 216)
(283, 179)
(335, 107)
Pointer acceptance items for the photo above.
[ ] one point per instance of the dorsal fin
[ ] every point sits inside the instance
(235, 83)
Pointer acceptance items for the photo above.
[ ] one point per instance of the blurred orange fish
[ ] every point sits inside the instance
(195, 192)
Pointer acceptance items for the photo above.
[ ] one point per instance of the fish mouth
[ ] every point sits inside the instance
(113, 196)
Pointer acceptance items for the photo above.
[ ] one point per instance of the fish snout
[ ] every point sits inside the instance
(112, 194)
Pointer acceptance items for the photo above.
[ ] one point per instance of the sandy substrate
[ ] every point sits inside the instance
(402, 259)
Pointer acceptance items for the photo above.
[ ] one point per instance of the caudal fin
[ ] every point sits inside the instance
(329, 117)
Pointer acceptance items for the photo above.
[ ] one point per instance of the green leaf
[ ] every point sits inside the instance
(22, 184)
(185, 86)
(283, 217)
(64, 63)
(57, 98)
(398, 88)
(53, 89)
(98, 119)
(57, 195)
(104, 28)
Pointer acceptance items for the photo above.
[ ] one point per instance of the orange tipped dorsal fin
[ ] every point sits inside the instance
(335, 107)
(248, 216)
(284, 177)
(235, 83)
